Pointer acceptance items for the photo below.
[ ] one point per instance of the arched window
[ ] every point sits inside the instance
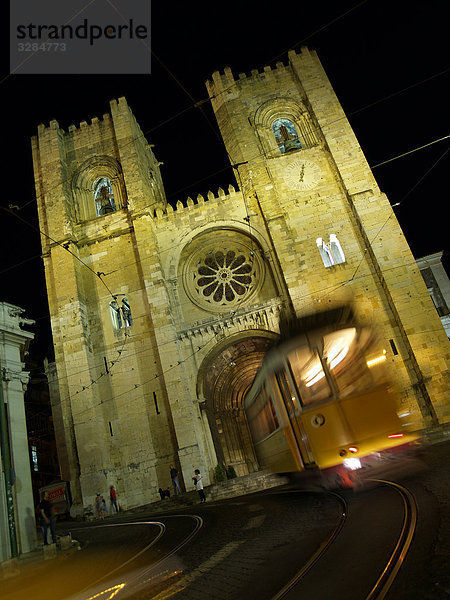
(98, 188)
(115, 314)
(332, 253)
(120, 313)
(325, 253)
(286, 135)
(104, 197)
(336, 250)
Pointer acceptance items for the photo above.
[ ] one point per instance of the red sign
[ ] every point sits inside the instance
(57, 496)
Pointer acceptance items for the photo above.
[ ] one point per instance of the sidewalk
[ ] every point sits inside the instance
(39, 556)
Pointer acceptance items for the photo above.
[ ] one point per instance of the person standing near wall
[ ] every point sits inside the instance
(46, 518)
(174, 478)
(100, 505)
(197, 479)
(113, 498)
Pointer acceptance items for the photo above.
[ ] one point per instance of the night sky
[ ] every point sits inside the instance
(370, 54)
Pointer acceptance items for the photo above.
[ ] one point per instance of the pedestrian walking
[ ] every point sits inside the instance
(113, 498)
(174, 478)
(197, 479)
(46, 518)
(100, 505)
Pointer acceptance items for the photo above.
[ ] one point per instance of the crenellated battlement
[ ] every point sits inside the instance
(226, 82)
(190, 204)
(54, 125)
(119, 108)
(106, 118)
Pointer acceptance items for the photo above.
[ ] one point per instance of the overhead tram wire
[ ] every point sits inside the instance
(31, 54)
(155, 377)
(22, 262)
(396, 205)
(385, 162)
(422, 178)
(405, 89)
(308, 37)
(115, 361)
(35, 228)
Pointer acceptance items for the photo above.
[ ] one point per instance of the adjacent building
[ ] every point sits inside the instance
(438, 285)
(17, 511)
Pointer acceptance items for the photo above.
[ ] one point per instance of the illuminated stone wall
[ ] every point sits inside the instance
(207, 279)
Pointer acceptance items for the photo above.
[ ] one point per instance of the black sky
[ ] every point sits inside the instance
(369, 54)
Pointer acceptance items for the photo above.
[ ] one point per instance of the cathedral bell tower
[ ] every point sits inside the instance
(96, 184)
(332, 231)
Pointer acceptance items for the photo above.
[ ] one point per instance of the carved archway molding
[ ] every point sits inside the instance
(223, 380)
(84, 180)
(283, 107)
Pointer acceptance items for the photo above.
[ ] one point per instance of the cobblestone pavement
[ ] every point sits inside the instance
(437, 481)
(261, 536)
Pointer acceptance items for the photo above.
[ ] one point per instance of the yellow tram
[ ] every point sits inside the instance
(322, 399)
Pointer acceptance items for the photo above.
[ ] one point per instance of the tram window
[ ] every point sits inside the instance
(262, 418)
(289, 395)
(346, 354)
(309, 375)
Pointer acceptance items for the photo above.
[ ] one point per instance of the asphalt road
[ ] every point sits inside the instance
(250, 547)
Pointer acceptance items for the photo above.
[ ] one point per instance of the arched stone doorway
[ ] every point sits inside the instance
(224, 379)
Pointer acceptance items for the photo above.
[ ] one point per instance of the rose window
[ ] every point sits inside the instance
(224, 277)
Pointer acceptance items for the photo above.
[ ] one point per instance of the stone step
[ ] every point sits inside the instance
(244, 485)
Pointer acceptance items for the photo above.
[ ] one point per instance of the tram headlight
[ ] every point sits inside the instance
(352, 463)
(376, 359)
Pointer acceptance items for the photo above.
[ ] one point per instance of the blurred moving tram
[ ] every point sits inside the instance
(322, 400)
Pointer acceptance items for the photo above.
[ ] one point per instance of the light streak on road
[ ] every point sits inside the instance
(115, 590)
(141, 577)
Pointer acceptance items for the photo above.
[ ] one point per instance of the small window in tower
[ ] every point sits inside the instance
(104, 197)
(286, 135)
(336, 250)
(331, 253)
(115, 314)
(34, 458)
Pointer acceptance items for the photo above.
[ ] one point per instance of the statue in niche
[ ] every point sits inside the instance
(104, 197)
(115, 315)
(286, 135)
(126, 313)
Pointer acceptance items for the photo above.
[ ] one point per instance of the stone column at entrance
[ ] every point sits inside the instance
(13, 340)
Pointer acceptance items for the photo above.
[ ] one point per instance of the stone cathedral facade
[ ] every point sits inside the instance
(162, 314)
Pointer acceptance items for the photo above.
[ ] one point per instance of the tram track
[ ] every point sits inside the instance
(389, 573)
(126, 585)
(391, 567)
(319, 552)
